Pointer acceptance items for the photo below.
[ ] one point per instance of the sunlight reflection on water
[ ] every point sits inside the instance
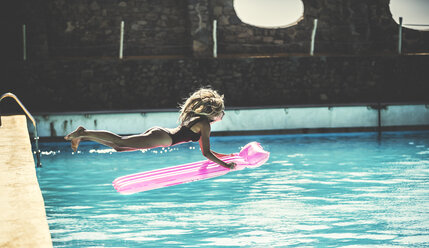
(349, 190)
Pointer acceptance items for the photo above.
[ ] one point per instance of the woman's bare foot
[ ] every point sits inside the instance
(75, 137)
(75, 143)
(75, 134)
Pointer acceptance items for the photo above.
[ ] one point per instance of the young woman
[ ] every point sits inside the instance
(197, 113)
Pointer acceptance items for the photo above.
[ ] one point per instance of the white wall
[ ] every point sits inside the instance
(57, 125)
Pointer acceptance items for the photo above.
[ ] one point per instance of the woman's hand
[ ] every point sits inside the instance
(231, 165)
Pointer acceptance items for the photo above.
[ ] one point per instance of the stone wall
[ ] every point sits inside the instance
(84, 85)
(92, 28)
(83, 28)
(73, 47)
(344, 27)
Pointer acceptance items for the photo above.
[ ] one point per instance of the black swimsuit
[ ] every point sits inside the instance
(183, 133)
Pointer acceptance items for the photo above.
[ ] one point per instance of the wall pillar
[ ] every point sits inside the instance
(200, 28)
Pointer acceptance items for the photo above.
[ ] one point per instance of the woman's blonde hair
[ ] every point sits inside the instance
(203, 102)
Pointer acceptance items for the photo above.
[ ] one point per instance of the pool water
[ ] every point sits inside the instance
(330, 190)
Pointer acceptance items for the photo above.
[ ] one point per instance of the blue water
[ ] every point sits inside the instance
(334, 190)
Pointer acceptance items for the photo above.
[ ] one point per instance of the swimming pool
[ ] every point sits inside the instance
(349, 190)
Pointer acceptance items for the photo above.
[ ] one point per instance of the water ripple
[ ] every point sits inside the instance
(324, 191)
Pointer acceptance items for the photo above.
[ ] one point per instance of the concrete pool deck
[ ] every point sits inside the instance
(22, 210)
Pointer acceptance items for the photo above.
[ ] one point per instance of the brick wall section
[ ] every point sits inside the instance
(92, 28)
(134, 84)
(184, 27)
(350, 27)
(73, 48)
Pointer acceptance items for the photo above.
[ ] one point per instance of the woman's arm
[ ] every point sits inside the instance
(205, 147)
(220, 155)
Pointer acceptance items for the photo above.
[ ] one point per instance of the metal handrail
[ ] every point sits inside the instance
(36, 137)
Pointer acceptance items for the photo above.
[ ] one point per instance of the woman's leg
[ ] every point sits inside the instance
(103, 142)
(154, 137)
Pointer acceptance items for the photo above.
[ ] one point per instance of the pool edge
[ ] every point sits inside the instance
(22, 209)
(250, 121)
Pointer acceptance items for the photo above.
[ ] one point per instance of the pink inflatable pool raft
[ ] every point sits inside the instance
(251, 155)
